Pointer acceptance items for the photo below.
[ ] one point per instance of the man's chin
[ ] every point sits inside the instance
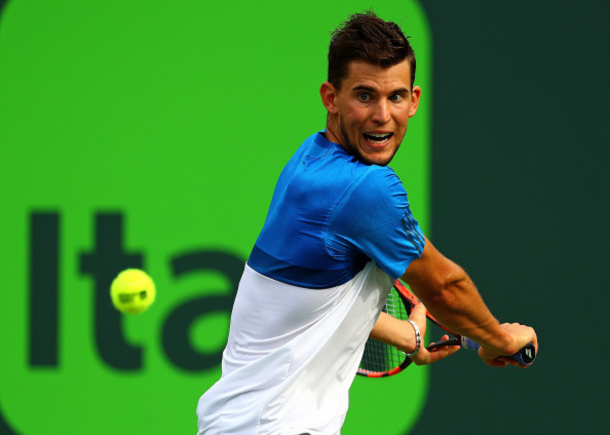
(380, 159)
(373, 160)
(370, 159)
(377, 156)
(380, 162)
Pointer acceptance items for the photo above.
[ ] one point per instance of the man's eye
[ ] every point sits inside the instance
(396, 97)
(364, 97)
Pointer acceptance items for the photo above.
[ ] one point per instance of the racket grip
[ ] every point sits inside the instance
(525, 356)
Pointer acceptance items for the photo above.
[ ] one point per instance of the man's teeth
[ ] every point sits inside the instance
(377, 137)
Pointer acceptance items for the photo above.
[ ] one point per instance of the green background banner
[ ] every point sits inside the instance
(151, 134)
(143, 134)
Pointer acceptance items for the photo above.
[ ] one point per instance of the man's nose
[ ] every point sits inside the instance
(382, 113)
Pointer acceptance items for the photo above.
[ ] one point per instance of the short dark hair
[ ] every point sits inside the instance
(366, 37)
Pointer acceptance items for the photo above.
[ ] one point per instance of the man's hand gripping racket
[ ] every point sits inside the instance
(381, 360)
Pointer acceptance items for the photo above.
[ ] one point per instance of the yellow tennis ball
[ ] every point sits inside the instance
(132, 291)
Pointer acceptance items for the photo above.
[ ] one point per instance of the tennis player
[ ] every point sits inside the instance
(339, 231)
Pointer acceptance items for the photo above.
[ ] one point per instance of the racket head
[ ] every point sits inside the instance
(379, 359)
(382, 360)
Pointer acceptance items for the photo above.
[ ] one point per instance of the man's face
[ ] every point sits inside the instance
(370, 114)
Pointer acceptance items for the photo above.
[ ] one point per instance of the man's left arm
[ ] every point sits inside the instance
(401, 335)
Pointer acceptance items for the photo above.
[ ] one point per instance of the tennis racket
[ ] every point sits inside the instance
(382, 360)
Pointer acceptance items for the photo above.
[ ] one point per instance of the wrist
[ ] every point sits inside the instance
(418, 339)
(500, 343)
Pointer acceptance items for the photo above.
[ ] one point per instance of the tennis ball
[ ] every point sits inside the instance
(132, 291)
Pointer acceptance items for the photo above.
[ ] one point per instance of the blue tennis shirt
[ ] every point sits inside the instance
(330, 214)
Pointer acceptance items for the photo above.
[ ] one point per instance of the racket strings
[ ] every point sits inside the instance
(379, 357)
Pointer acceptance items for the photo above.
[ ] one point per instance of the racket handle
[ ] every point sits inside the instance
(525, 356)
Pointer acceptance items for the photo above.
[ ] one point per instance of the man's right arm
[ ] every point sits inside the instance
(452, 298)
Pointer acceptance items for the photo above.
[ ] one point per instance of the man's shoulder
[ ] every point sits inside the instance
(376, 194)
(380, 180)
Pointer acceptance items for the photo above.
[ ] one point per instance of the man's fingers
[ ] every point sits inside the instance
(429, 357)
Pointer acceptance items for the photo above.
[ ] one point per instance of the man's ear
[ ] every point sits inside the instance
(415, 95)
(328, 93)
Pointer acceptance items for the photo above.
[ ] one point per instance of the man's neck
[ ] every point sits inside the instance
(333, 131)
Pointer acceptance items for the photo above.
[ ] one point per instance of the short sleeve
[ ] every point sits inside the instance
(374, 219)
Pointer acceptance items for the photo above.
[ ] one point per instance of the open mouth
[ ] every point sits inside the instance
(377, 138)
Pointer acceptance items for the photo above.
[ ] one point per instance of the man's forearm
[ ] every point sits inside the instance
(394, 332)
(459, 306)
(452, 298)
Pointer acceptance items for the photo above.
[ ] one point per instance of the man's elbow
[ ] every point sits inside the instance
(444, 292)
(443, 288)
